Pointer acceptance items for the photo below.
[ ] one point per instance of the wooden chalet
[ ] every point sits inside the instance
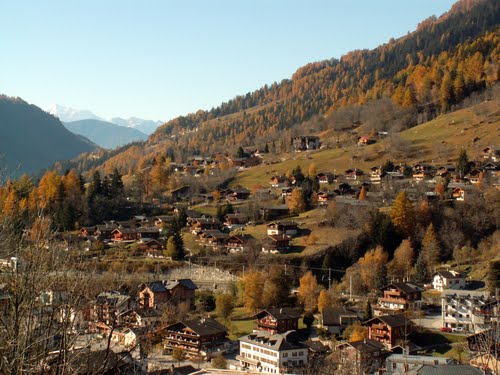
(473, 176)
(353, 175)
(337, 319)
(235, 220)
(390, 330)
(88, 231)
(279, 181)
(275, 212)
(156, 293)
(325, 197)
(238, 194)
(125, 234)
(397, 298)
(278, 320)
(195, 337)
(365, 355)
(306, 142)
(325, 178)
(149, 232)
(105, 232)
(491, 152)
(202, 224)
(460, 193)
(365, 140)
(162, 220)
(214, 238)
(239, 243)
(283, 227)
(276, 244)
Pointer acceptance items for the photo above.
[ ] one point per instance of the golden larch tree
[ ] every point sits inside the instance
(308, 291)
(402, 215)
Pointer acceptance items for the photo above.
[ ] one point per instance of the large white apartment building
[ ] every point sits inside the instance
(274, 354)
(466, 310)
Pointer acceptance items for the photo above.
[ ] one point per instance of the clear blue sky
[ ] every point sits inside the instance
(159, 59)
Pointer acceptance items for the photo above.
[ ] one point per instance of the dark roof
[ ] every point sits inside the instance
(279, 313)
(449, 370)
(331, 315)
(156, 286)
(148, 230)
(241, 237)
(202, 327)
(449, 275)
(405, 287)
(316, 346)
(94, 362)
(125, 230)
(186, 283)
(394, 321)
(366, 345)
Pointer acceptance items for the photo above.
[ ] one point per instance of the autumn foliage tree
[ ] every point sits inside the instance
(297, 203)
(253, 284)
(324, 300)
(370, 265)
(308, 291)
(402, 215)
(403, 259)
(431, 249)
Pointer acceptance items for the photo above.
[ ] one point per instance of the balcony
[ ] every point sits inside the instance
(267, 325)
(390, 299)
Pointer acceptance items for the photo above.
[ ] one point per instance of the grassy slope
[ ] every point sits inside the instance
(438, 141)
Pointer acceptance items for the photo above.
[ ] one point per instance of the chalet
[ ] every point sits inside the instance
(215, 238)
(284, 227)
(278, 320)
(109, 308)
(490, 166)
(336, 319)
(325, 178)
(160, 221)
(275, 244)
(238, 194)
(182, 193)
(344, 189)
(263, 194)
(491, 152)
(202, 224)
(193, 215)
(104, 232)
(460, 193)
(124, 336)
(422, 171)
(389, 330)
(125, 224)
(152, 248)
(145, 317)
(232, 220)
(353, 175)
(149, 232)
(239, 243)
(375, 175)
(398, 297)
(125, 235)
(279, 181)
(275, 212)
(473, 176)
(268, 353)
(306, 143)
(238, 162)
(286, 192)
(363, 356)
(195, 337)
(88, 231)
(156, 293)
(365, 140)
(325, 197)
(442, 280)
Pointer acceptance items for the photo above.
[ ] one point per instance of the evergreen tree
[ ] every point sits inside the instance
(175, 246)
(421, 274)
(368, 312)
(240, 153)
(463, 163)
(431, 249)
(381, 277)
(266, 149)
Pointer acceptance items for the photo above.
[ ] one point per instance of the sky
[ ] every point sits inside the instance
(159, 59)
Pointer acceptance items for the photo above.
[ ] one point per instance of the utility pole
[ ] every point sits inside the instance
(329, 278)
(350, 287)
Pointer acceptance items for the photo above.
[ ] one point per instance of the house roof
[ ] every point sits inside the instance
(450, 274)
(202, 327)
(156, 286)
(243, 238)
(394, 321)
(279, 313)
(285, 223)
(405, 287)
(186, 283)
(366, 345)
(449, 370)
(284, 341)
(331, 315)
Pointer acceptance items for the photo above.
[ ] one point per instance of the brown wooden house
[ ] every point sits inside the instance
(195, 337)
(125, 234)
(398, 297)
(276, 244)
(201, 224)
(156, 293)
(278, 320)
(239, 243)
(363, 355)
(390, 330)
(284, 227)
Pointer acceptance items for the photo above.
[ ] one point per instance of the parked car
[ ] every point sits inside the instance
(458, 329)
(446, 329)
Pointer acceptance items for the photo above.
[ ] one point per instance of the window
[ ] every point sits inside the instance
(285, 355)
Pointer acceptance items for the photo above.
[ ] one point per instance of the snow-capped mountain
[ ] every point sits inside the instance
(145, 126)
(67, 114)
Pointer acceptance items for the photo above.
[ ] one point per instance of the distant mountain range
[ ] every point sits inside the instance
(67, 114)
(105, 134)
(31, 139)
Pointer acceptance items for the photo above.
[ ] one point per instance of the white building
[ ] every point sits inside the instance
(448, 280)
(274, 354)
(465, 310)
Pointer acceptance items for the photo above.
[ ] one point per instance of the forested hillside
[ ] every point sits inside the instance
(425, 73)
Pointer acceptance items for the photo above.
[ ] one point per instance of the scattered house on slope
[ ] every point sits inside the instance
(336, 319)
(397, 298)
(278, 319)
(276, 244)
(442, 280)
(363, 356)
(283, 227)
(390, 330)
(154, 294)
(196, 337)
(239, 243)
